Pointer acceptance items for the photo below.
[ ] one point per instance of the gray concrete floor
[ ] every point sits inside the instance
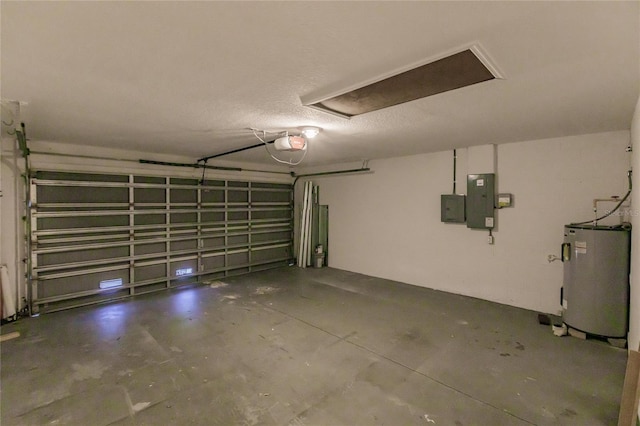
(304, 347)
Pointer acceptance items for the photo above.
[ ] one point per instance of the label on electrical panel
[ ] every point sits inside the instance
(581, 247)
(480, 182)
(488, 222)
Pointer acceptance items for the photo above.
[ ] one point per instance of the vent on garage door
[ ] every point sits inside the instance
(98, 237)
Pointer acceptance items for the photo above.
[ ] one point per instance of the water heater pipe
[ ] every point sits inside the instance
(602, 200)
(598, 200)
(622, 200)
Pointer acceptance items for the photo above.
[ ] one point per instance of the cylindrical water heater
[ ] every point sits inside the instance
(595, 296)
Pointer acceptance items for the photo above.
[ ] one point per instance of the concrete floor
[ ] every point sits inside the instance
(304, 347)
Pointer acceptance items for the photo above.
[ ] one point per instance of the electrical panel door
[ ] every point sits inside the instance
(452, 208)
(481, 201)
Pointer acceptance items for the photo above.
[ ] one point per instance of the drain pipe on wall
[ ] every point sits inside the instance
(455, 158)
(22, 141)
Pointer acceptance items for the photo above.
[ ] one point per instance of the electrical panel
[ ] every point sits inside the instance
(452, 208)
(480, 205)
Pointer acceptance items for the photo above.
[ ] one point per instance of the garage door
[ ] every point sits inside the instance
(99, 237)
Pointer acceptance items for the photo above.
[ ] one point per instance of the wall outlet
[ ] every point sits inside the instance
(490, 239)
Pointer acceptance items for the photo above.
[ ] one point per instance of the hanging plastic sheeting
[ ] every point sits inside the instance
(8, 294)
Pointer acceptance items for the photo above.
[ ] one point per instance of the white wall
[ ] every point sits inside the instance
(387, 224)
(634, 317)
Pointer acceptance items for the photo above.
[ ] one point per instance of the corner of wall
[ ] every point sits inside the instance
(634, 309)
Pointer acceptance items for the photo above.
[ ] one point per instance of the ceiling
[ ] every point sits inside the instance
(191, 78)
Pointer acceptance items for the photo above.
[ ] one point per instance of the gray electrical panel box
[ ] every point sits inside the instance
(481, 201)
(452, 208)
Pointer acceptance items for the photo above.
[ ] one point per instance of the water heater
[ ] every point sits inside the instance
(595, 297)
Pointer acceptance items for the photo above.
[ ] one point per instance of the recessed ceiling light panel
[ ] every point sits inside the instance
(451, 72)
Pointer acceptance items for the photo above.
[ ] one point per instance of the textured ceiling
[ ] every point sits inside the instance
(190, 78)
